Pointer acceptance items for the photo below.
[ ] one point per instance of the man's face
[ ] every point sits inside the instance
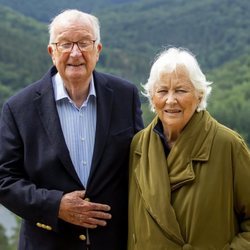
(75, 65)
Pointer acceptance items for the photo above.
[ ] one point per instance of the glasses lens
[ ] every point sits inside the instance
(85, 45)
(64, 47)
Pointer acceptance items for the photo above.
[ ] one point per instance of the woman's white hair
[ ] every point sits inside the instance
(167, 62)
(71, 15)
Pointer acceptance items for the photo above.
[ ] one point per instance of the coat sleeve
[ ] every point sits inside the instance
(241, 162)
(17, 192)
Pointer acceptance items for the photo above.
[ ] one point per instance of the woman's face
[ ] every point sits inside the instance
(175, 100)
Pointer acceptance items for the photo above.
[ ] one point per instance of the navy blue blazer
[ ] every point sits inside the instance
(36, 168)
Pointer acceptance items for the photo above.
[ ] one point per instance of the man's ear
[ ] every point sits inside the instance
(51, 52)
(99, 49)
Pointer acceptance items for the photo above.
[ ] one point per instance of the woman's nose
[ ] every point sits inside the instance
(171, 98)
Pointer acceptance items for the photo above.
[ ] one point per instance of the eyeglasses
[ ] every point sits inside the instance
(83, 46)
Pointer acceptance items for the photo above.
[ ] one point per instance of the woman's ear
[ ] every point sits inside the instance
(200, 98)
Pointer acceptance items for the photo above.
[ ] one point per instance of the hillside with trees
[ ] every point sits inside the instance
(44, 10)
(23, 56)
(230, 99)
(133, 32)
(215, 30)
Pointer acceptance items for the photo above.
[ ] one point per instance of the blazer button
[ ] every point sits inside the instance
(48, 228)
(82, 237)
(38, 224)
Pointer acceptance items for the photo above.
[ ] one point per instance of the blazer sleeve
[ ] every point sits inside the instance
(138, 121)
(17, 192)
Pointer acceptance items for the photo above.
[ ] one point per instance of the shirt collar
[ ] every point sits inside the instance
(158, 129)
(61, 93)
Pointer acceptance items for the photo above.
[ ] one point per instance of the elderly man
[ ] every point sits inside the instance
(64, 144)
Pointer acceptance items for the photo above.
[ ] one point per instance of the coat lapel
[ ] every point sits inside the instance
(104, 107)
(152, 179)
(194, 144)
(46, 107)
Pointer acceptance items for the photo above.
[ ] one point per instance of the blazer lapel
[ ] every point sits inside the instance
(46, 107)
(104, 107)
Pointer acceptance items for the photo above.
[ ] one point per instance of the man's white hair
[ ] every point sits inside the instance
(72, 15)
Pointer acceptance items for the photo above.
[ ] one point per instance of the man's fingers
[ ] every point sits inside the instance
(96, 206)
(93, 221)
(79, 211)
(99, 215)
(90, 219)
(79, 193)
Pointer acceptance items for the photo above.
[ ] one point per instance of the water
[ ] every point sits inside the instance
(7, 219)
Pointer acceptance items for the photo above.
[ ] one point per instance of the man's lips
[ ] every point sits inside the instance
(75, 64)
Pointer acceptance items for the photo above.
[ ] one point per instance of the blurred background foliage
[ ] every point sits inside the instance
(133, 32)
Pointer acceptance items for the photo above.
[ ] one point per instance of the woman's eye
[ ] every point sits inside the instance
(181, 91)
(162, 91)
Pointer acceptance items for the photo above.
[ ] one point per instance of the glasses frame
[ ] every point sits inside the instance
(72, 46)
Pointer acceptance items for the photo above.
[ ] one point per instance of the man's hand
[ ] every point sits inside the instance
(75, 210)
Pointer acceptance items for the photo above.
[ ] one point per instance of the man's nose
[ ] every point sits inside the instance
(75, 50)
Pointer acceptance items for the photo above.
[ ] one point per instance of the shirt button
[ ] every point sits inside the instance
(82, 139)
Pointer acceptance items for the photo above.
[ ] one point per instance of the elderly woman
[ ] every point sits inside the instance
(189, 174)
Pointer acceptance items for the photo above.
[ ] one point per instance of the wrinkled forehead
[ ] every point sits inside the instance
(179, 72)
(72, 25)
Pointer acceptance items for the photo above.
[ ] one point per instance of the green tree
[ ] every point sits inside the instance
(4, 243)
(5, 92)
(13, 241)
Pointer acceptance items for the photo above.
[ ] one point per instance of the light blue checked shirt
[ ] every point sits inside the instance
(78, 126)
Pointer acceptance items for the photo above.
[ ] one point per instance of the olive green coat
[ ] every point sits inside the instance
(198, 197)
